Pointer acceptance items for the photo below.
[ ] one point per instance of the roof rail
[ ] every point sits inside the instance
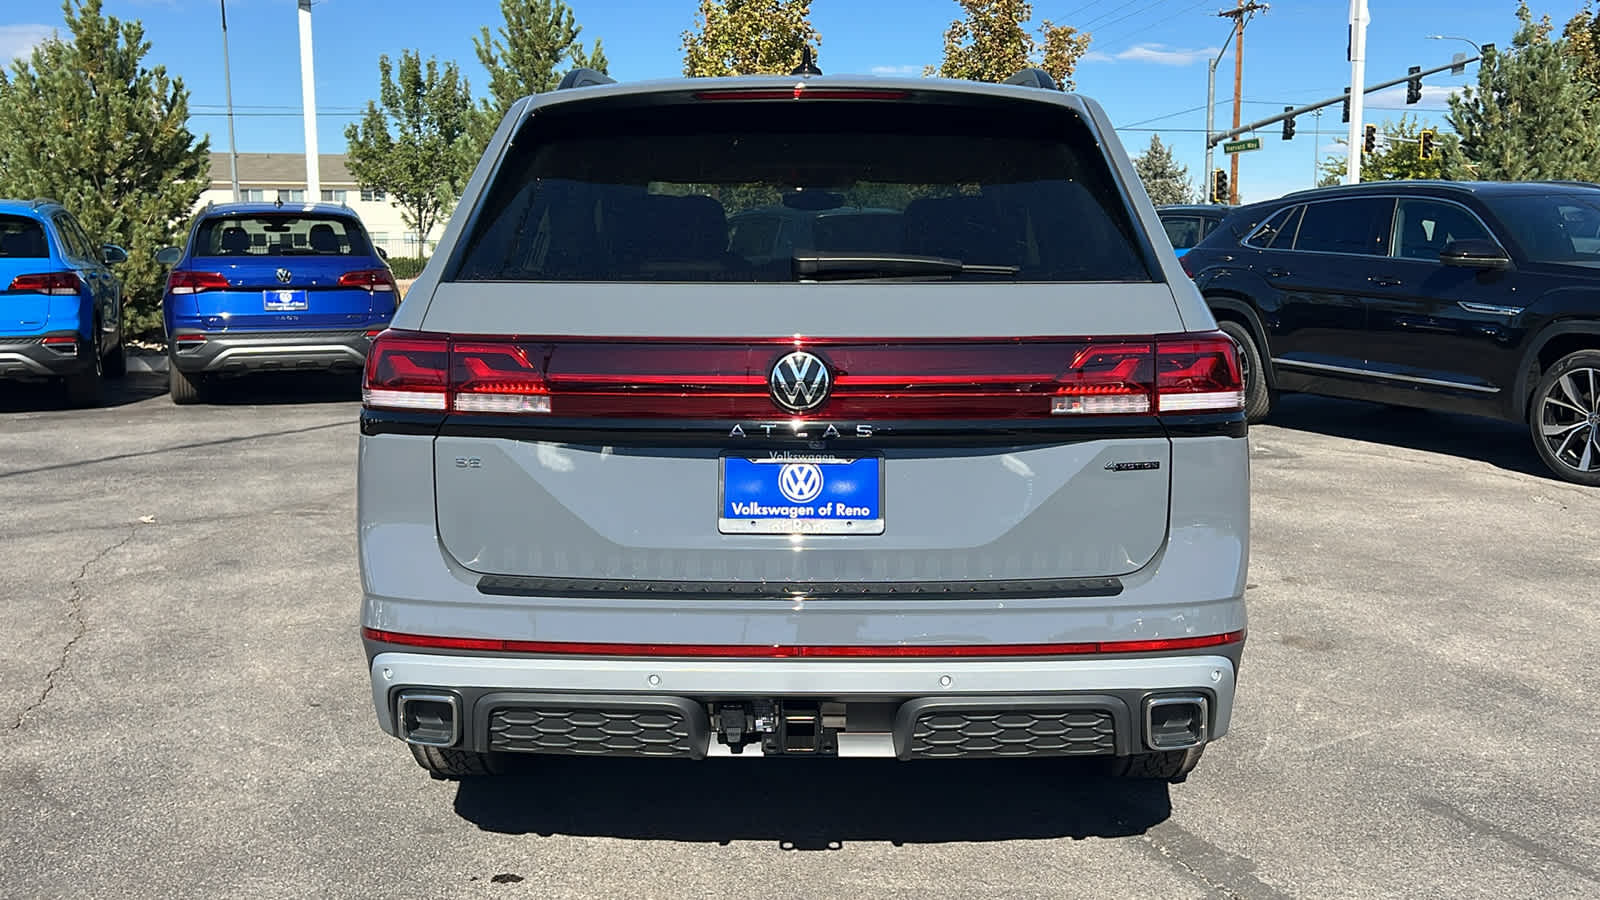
(43, 201)
(578, 78)
(1034, 78)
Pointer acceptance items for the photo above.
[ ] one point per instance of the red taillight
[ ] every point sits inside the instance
(371, 279)
(1198, 373)
(809, 651)
(182, 339)
(186, 282)
(408, 370)
(800, 92)
(1187, 266)
(870, 379)
(58, 283)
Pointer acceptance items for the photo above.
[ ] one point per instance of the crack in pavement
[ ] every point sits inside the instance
(1228, 874)
(74, 614)
(219, 442)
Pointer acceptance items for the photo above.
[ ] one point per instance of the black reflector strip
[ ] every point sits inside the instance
(1041, 588)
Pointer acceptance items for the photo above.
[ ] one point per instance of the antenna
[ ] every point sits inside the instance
(808, 63)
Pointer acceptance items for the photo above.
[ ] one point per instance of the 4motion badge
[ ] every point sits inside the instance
(1132, 466)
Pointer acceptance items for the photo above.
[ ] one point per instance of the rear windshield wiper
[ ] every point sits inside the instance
(843, 266)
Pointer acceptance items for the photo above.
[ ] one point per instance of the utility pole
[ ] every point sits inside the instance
(1316, 142)
(1358, 76)
(308, 102)
(227, 87)
(1241, 15)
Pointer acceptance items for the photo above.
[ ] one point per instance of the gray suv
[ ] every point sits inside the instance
(979, 489)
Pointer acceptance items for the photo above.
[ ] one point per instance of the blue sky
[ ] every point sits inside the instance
(1147, 64)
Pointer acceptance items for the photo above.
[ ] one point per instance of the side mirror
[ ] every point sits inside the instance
(1475, 253)
(113, 255)
(169, 256)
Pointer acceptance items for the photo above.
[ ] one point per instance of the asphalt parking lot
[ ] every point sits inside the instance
(184, 709)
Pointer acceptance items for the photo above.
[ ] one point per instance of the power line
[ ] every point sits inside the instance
(1101, 18)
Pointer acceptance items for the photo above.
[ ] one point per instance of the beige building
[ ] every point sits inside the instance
(282, 176)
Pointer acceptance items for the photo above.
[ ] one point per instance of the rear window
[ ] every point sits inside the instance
(22, 238)
(295, 234)
(597, 193)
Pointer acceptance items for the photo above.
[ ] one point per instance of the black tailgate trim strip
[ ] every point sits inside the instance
(1012, 589)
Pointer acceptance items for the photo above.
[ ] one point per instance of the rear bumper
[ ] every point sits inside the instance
(224, 352)
(29, 357)
(908, 709)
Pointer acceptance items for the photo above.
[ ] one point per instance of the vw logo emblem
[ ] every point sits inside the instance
(285, 276)
(799, 381)
(800, 482)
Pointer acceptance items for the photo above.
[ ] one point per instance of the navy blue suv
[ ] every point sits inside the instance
(60, 306)
(262, 287)
(1470, 297)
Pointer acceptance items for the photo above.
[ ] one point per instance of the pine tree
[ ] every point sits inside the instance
(420, 164)
(84, 121)
(1164, 179)
(748, 37)
(1532, 116)
(1582, 34)
(992, 44)
(537, 44)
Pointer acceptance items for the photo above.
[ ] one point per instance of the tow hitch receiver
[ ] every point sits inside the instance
(782, 727)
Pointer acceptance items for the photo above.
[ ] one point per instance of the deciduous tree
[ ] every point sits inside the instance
(748, 37)
(1164, 179)
(992, 43)
(409, 142)
(85, 121)
(1397, 156)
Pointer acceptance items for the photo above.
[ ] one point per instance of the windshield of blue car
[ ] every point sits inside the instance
(1561, 227)
(297, 234)
(22, 238)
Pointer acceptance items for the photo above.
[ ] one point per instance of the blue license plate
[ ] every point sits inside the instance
(801, 493)
(284, 301)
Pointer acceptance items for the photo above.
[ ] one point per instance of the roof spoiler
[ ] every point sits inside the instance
(578, 78)
(1034, 78)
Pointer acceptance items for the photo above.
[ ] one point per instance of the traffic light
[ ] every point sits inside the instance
(1219, 186)
(1288, 125)
(1425, 144)
(1346, 116)
(1370, 143)
(1414, 86)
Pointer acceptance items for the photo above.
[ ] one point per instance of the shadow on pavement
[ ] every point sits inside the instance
(813, 804)
(284, 388)
(27, 396)
(1504, 444)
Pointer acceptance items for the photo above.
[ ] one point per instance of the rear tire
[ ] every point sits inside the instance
(444, 762)
(116, 363)
(186, 389)
(83, 389)
(1252, 365)
(1164, 765)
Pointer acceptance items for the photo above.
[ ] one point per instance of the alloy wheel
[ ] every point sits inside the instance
(1569, 419)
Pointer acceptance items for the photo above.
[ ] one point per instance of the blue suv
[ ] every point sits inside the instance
(60, 306)
(262, 287)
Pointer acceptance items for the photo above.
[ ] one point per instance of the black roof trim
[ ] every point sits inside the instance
(578, 78)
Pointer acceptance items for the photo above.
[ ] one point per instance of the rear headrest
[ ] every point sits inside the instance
(323, 238)
(235, 240)
(681, 228)
(971, 229)
(24, 244)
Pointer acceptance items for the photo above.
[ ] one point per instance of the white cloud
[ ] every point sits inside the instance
(1436, 96)
(19, 40)
(897, 70)
(1159, 54)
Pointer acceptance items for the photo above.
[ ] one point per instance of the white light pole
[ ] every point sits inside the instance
(308, 102)
(227, 87)
(1358, 77)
